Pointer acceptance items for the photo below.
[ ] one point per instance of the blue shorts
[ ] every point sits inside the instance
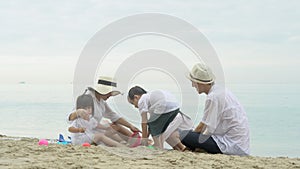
(158, 123)
(191, 140)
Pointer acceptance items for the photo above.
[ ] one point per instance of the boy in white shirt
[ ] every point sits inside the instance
(165, 117)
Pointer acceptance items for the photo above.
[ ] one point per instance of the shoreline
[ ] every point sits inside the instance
(24, 152)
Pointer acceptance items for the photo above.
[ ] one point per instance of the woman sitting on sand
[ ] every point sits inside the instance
(105, 88)
(84, 128)
(224, 126)
(165, 117)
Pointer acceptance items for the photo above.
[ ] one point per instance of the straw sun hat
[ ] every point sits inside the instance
(105, 85)
(201, 73)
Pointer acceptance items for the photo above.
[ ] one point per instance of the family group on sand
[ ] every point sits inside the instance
(223, 129)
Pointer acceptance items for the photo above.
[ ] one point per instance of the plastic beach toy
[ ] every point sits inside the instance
(86, 145)
(61, 140)
(135, 140)
(63, 143)
(43, 142)
(151, 147)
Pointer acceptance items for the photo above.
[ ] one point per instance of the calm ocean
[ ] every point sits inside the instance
(273, 111)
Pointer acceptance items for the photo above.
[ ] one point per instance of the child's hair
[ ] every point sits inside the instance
(84, 101)
(136, 90)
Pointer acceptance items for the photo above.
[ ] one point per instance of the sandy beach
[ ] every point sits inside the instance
(26, 153)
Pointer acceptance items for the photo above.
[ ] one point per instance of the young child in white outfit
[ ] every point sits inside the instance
(86, 129)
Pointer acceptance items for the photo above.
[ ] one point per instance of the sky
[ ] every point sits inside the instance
(256, 41)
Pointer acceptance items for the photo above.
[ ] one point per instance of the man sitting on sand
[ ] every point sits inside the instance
(224, 125)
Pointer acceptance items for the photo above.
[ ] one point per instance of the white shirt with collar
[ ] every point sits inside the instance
(226, 121)
(158, 102)
(161, 102)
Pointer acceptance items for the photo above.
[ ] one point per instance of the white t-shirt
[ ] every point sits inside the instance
(226, 121)
(158, 102)
(88, 135)
(101, 109)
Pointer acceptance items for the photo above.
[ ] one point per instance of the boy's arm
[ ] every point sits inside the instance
(144, 128)
(76, 130)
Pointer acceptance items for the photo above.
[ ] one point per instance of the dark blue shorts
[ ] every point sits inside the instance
(158, 123)
(191, 140)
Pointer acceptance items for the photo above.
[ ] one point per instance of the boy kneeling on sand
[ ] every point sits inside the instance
(165, 117)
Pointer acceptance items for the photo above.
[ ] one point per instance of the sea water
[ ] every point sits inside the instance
(29, 110)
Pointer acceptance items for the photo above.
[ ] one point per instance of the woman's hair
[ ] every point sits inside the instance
(136, 90)
(84, 101)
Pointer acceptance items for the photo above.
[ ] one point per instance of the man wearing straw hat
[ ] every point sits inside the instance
(105, 88)
(224, 125)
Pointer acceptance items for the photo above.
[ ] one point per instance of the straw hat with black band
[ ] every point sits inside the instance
(202, 74)
(105, 85)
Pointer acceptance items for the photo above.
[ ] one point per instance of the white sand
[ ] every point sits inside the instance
(26, 153)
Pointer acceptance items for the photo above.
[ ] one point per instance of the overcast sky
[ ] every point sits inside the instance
(257, 41)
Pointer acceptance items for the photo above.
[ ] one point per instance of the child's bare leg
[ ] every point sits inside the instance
(106, 140)
(158, 142)
(113, 134)
(122, 131)
(174, 141)
(116, 137)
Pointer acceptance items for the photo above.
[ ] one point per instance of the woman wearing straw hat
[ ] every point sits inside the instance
(105, 88)
(224, 125)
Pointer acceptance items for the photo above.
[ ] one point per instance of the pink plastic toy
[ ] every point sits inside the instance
(135, 140)
(43, 142)
(86, 145)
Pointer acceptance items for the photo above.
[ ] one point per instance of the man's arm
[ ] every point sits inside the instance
(200, 127)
